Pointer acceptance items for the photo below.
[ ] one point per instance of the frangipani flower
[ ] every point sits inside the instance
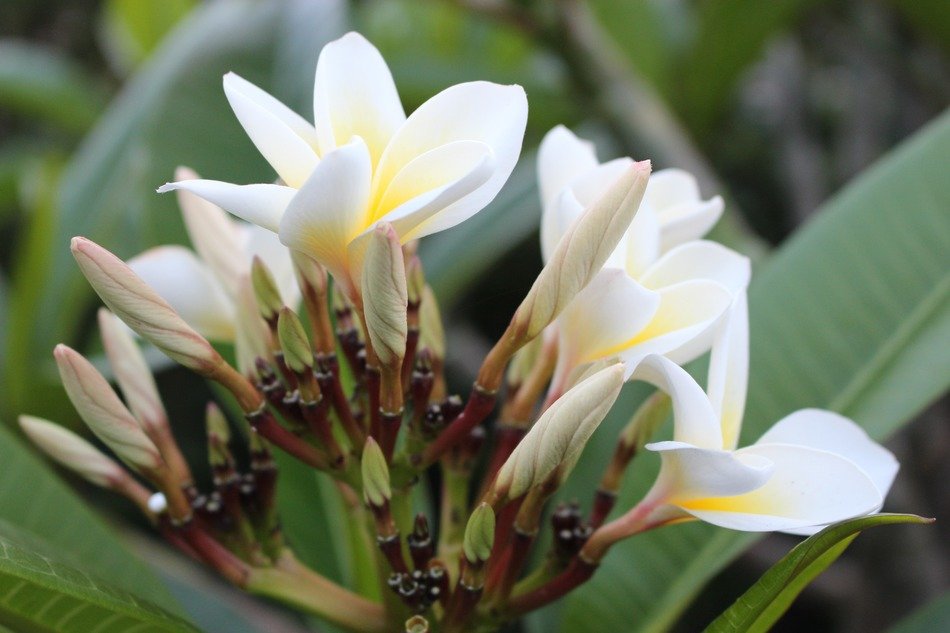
(363, 161)
(812, 468)
(657, 293)
(204, 288)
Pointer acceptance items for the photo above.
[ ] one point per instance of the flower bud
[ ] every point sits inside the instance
(131, 372)
(431, 333)
(479, 535)
(253, 339)
(310, 273)
(101, 409)
(556, 440)
(72, 451)
(266, 292)
(294, 342)
(581, 252)
(140, 307)
(376, 491)
(385, 296)
(217, 424)
(212, 233)
(523, 362)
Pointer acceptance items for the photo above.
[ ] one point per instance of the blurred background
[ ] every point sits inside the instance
(775, 105)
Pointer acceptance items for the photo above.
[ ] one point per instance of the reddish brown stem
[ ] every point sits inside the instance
(389, 432)
(506, 438)
(265, 424)
(329, 380)
(480, 404)
(604, 501)
(373, 381)
(214, 554)
(577, 573)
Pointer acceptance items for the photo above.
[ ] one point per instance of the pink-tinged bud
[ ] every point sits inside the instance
(132, 372)
(581, 253)
(555, 442)
(101, 409)
(253, 339)
(385, 296)
(142, 309)
(72, 451)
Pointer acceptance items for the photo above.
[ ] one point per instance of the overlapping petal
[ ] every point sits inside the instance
(354, 95)
(328, 211)
(729, 370)
(273, 128)
(189, 286)
(694, 421)
(562, 156)
(262, 204)
(699, 259)
(684, 215)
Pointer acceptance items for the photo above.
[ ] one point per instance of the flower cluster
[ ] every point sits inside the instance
(355, 389)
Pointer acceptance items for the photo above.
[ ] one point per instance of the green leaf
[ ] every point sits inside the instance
(33, 499)
(765, 601)
(851, 314)
(43, 594)
(40, 84)
(933, 616)
(131, 30)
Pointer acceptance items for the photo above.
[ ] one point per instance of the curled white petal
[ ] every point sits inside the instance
(263, 205)
(729, 370)
(562, 156)
(694, 421)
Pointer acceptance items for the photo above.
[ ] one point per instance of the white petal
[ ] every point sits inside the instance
(694, 421)
(641, 245)
(212, 233)
(699, 259)
(187, 284)
(690, 475)
(729, 370)
(354, 95)
(266, 122)
(684, 216)
(262, 205)
(266, 245)
(808, 487)
(425, 177)
(683, 326)
(562, 156)
(829, 431)
(299, 125)
(478, 111)
(329, 210)
(556, 219)
(603, 316)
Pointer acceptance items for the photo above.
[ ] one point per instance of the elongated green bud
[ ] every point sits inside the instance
(294, 342)
(431, 332)
(101, 409)
(560, 434)
(269, 301)
(479, 535)
(415, 279)
(385, 296)
(581, 253)
(72, 451)
(376, 490)
(131, 372)
(142, 309)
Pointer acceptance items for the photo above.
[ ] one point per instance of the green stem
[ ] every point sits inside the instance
(292, 583)
(453, 516)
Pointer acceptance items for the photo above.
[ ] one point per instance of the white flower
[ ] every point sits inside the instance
(812, 468)
(661, 290)
(364, 162)
(203, 288)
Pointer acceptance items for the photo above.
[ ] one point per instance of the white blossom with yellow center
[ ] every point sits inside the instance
(662, 290)
(812, 468)
(363, 161)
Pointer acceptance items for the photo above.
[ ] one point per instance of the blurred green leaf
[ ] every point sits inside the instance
(933, 616)
(851, 314)
(930, 17)
(42, 594)
(34, 499)
(38, 83)
(769, 598)
(131, 29)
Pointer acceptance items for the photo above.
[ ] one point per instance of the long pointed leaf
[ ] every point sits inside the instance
(765, 601)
